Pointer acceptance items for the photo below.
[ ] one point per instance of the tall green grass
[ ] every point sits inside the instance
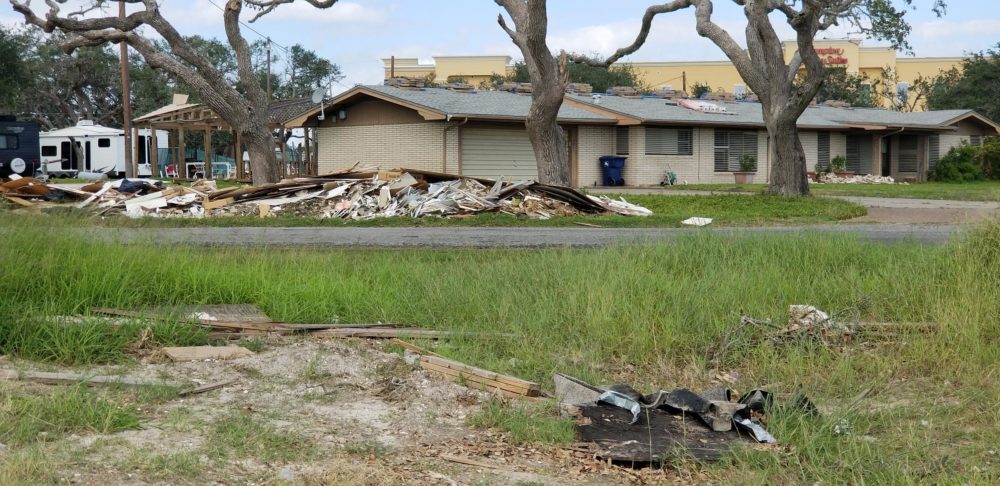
(645, 315)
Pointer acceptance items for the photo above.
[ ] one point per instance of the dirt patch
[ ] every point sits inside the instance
(318, 412)
(924, 215)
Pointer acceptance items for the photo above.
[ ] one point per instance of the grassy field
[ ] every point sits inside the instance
(645, 315)
(969, 191)
(668, 211)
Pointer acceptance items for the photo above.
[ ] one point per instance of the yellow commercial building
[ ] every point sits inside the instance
(682, 75)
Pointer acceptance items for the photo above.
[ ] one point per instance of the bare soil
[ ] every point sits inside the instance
(358, 415)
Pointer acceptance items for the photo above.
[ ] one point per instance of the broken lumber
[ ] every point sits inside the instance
(396, 333)
(413, 347)
(205, 388)
(73, 378)
(200, 353)
(262, 326)
(457, 371)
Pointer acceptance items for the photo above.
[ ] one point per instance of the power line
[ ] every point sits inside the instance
(255, 31)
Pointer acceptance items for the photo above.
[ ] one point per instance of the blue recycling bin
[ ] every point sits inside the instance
(611, 170)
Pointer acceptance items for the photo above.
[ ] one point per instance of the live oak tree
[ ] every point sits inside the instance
(245, 109)
(784, 93)
(975, 85)
(548, 83)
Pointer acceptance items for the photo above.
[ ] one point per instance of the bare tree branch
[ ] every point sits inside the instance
(640, 38)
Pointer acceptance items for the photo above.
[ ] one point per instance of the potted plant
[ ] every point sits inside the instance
(838, 165)
(748, 167)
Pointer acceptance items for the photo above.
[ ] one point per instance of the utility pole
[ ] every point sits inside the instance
(130, 170)
(684, 81)
(268, 51)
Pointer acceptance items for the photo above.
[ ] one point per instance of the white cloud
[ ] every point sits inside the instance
(672, 37)
(953, 38)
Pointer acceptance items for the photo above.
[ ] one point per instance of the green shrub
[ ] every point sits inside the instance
(748, 163)
(838, 164)
(960, 164)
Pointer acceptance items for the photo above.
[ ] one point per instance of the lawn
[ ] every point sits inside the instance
(968, 191)
(668, 211)
(644, 315)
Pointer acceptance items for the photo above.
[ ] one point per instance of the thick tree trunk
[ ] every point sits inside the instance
(551, 152)
(263, 163)
(788, 164)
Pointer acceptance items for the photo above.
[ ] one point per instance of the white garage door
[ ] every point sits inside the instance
(498, 152)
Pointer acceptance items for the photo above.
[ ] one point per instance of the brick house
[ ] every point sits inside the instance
(482, 134)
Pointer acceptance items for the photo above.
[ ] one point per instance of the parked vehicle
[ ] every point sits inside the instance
(18, 147)
(89, 147)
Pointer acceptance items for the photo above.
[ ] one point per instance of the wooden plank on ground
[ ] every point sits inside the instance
(398, 333)
(205, 388)
(461, 367)
(217, 203)
(459, 372)
(201, 353)
(413, 347)
(475, 381)
(73, 378)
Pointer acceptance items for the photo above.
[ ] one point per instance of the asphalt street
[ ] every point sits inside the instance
(494, 237)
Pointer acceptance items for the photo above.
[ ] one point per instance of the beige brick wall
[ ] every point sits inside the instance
(593, 142)
(949, 141)
(810, 145)
(649, 170)
(416, 146)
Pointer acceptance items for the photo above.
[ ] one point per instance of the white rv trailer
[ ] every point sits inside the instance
(98, 149)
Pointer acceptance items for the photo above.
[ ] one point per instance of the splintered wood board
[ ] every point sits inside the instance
(458, 372)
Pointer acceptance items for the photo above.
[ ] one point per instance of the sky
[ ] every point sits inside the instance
(357, 34)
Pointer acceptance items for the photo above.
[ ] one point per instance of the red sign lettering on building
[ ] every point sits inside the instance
(838, 60)
(827, 51)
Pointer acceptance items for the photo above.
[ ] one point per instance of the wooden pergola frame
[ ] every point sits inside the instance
(197, 117)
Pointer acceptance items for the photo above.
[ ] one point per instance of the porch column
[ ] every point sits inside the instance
(181, 155)
(308, 159)
(208, 154)
(154, 161)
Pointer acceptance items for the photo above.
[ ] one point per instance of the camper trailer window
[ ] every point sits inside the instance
(8, 142)
(104, 142)
(49, 150)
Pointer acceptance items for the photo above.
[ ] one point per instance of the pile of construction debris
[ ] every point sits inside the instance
(349, 194)
(832, 178)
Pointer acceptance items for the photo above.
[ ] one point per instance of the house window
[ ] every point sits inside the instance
(975, 140)
(933, 150)
(907, 153)
(669, 141)
(103, 142)
(859, 154)
(621, 140)
(8, 142)
(49, 151)
(822, 150)
(730, 145)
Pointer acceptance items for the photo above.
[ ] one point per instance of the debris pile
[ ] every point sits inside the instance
(349, 194)
(629, 427)
(831, 178)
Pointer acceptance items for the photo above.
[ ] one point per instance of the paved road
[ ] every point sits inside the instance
(493, 237)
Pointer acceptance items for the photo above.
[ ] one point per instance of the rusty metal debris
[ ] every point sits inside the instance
(350, 194)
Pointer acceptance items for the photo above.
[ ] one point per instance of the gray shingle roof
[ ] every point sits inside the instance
(655, 110)
(487, 104)
(503, 104)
